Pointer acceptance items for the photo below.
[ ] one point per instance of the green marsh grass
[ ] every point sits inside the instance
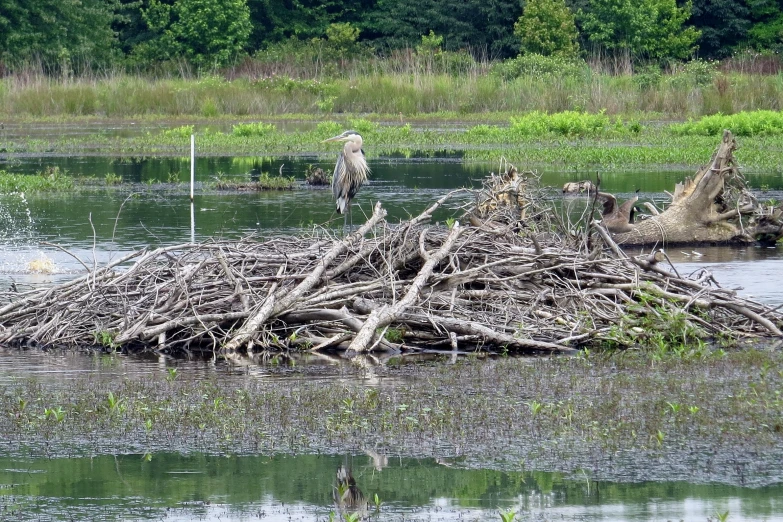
(382, 87)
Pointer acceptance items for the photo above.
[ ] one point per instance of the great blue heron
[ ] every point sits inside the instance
(350, 172)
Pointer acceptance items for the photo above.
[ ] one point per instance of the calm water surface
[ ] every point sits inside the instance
(285, 487)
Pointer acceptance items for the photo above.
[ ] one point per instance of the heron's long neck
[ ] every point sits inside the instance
(355, 144)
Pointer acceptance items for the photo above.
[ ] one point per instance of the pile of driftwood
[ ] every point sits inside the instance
(511, 274)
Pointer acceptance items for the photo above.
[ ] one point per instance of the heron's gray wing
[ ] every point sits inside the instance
(338, 180)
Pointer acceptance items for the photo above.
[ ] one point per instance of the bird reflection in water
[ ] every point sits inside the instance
(347, 495)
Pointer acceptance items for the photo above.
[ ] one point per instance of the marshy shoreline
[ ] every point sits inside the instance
(702, 416)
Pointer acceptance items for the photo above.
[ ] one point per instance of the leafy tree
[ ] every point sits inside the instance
(723, 24)
(206, 32)
(342, 36)
(278, 20)
(547, 27)
(479, 25)
(643, 28)
(767, 29)
(57, 31)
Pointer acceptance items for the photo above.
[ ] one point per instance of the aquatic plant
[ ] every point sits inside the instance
(609, 143)
(105, 338)
(112, 179)
(178, 133)
(253, 129)
(51, 179)
(566, 123)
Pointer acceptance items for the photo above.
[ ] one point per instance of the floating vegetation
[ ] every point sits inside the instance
(52, 179)
(261, 182)
(253, 129)
(570, 139)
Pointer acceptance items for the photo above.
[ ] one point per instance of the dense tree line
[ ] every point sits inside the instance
(59, 33)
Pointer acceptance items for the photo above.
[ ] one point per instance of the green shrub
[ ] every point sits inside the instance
(183, 131)
(363, 127)
(753, 123)
(648, 76)
(539, 66)
(327, 129)
(50, 179)
(701, 72)
(484, 134)
(567, 123)
(454, 63)
(292, 52)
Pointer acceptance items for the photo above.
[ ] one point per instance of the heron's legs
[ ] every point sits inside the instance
(348, 218)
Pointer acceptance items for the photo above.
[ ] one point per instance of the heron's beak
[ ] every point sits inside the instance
(334, 138)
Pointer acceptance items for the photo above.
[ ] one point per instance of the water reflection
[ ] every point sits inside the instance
(282, 487)
(60, 367)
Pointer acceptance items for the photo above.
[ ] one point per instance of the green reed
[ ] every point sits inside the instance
(384, 89)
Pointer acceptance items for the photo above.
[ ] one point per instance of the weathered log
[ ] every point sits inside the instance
(713, 207)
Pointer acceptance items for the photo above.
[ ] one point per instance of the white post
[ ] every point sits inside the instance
(192, 163)
(192, 182)
(192, 223)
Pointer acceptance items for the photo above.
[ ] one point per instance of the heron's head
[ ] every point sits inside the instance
(349, 135)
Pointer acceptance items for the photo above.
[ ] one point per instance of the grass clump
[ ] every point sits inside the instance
(267, 182)
(52, 179)
(264, 181)
(253, 129)
(658, 325)
(566, 123)
(755, 123)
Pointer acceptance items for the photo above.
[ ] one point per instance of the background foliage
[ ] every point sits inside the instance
(68, 35)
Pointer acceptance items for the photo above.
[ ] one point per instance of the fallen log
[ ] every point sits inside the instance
(715, 206)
